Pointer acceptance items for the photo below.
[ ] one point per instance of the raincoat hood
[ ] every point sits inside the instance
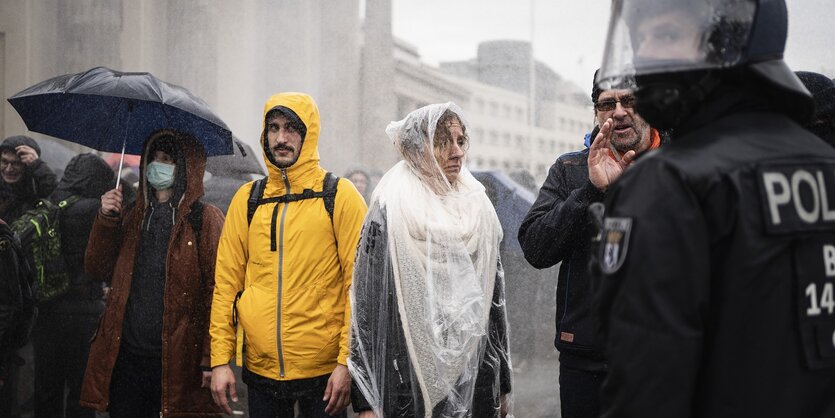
(86, 175)
(306, 110)
(191, 164)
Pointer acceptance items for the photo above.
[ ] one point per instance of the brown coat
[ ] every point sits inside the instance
(188, 295)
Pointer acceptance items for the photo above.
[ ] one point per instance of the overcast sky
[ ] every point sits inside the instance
(569, 34)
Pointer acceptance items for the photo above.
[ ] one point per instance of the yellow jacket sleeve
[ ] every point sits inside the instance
(230, 273)
(349, 212)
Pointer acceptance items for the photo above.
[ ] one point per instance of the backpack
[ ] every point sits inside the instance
(39, 232)
(256, 198)
(16, 290)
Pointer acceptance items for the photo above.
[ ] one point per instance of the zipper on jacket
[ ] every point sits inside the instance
(280, 276)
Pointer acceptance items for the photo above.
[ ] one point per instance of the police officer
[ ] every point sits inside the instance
(718, 251)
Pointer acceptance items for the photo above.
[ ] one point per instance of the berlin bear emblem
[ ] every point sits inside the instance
(615, 244)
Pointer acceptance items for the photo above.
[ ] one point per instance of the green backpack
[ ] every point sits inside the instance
(39, 231)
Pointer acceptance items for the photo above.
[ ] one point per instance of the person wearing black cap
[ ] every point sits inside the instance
(717, 253)
(823, 92)
(24, 177)
(558, 229)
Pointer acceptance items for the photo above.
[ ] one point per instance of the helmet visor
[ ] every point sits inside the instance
(662, 36)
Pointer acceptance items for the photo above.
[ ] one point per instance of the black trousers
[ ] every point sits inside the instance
(62, 345)
(9, 403)
(273, 399)
(136, 386)
(580, 392)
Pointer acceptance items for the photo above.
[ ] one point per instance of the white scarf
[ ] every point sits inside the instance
(444, 253)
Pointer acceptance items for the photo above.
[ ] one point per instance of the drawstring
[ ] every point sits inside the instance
(148, 220)
(151, 214)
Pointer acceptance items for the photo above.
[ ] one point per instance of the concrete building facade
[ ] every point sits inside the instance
(235, 54)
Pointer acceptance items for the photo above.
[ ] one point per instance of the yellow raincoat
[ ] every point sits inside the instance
(294, 311)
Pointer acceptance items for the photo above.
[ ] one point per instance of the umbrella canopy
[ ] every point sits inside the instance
(243, 164)
(56, 155)
(107, 110)
(511, 201)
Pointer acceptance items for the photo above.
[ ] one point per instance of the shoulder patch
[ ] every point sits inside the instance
(615, 244)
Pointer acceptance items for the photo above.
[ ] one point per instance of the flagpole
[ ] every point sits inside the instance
(532, 153)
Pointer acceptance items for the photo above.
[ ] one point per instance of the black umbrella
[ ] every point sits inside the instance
(114, 111)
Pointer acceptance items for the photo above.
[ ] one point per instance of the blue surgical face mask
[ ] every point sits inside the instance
(160, 175)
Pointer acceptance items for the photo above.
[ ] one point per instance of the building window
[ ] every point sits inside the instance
(507, 139)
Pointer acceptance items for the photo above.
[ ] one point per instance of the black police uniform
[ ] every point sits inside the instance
(718, 255)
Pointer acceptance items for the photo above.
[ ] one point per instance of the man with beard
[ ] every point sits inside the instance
(718, 251)
(284, 267)
(558, 228)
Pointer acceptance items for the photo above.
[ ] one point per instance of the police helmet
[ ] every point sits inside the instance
(648, 37)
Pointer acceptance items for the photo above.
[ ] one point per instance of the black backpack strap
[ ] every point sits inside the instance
(255, 194)
(329, 193)
(329, 198)
(68, 202)
(195, 218)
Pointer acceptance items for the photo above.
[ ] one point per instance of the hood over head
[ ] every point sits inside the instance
(86, 175)
(414, 136)
(190, 158)
(299, 108)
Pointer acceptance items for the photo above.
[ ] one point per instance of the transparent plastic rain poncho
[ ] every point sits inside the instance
(429, 327)
(662, 36)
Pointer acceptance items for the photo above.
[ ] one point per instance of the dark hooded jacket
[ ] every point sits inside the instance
(38, 182)
(114, 246)
(86, 177)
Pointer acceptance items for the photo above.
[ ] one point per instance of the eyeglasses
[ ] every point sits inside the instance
(627, 102)
(16, 164)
